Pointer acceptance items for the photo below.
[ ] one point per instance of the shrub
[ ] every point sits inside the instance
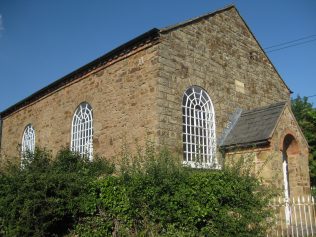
(44, 198)
(162, 198)
(151, 194)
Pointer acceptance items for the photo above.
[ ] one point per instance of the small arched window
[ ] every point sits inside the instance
(28, 140)
(199, 139)
(82, 130)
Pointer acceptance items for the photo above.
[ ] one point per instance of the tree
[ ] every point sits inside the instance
(305, 114)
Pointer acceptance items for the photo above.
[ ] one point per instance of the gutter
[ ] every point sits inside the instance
(245, 145)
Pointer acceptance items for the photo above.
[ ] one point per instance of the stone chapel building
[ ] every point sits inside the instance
(204, 88)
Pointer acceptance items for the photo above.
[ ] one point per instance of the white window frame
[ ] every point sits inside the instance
(28, 140)
(82, 130)
(199, 131)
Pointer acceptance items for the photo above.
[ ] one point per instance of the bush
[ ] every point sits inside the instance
(162, 198)
(44, 198)
(151, 194)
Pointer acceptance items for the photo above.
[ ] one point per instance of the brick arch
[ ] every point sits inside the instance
(289, 143)
(290, 149)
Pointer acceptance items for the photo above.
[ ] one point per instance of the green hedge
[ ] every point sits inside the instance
(44, 198)
(149, 195)
(165, 199)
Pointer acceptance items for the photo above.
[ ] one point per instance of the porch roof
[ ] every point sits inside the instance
(254, 127)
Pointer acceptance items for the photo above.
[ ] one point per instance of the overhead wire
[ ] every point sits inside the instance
(290, 46)
(291, 43)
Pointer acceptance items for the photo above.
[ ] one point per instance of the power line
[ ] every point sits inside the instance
(292, 41)
(290, 46)
(310, 96)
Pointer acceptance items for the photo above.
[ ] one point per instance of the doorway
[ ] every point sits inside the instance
(290, 147)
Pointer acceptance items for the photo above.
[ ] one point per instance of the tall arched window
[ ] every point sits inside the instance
(82, 130)
(28, 140)
(199, 139)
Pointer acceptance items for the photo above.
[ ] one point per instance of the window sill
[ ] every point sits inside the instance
(198, 165)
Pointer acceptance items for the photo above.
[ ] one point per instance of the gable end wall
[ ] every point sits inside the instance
(213, 53)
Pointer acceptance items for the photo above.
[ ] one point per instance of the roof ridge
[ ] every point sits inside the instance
(191, 20)
(264, 108)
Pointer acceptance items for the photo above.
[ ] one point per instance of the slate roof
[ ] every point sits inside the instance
(254, 127)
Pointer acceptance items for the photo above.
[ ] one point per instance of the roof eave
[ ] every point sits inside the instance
(253, 144)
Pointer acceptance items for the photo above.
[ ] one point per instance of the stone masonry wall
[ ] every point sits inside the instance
(142, 94)
(219, 54)
(124, 108)
(269, 160)
(298, 161)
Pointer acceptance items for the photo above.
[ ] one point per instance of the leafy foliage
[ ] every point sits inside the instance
(305, 114)
(162, 198)
(44, 198)
(151, 194)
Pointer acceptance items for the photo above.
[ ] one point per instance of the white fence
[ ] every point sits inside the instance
(294, 217)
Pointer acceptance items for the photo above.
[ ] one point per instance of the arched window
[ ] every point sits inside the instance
(28, 140)
(199, 139)
(82, 130)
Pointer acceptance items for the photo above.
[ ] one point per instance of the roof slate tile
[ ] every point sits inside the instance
(254, 126)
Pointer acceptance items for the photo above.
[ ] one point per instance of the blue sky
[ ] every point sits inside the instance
(41, 41)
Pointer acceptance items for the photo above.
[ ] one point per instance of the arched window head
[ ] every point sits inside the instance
(82, 130)
(199, 139)
(28, 140)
